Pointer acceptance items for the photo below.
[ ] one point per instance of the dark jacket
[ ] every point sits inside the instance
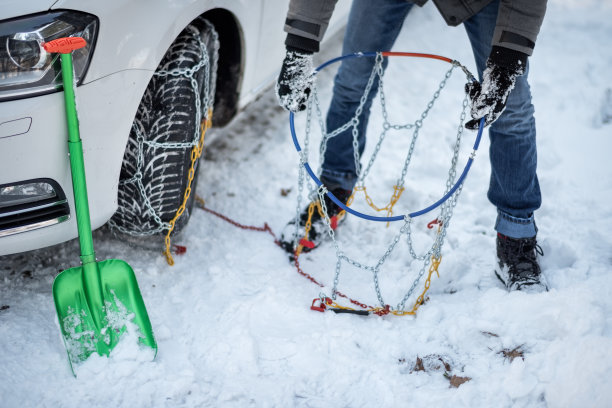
(518, 21)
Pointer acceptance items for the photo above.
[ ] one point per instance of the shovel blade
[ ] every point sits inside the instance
(92, 319)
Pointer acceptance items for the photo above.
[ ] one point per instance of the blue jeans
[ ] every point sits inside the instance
(513, 188)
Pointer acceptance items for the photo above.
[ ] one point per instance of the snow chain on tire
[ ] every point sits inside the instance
(159, 171)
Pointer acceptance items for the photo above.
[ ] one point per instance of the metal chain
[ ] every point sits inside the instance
(431, 257)
(354, 122)
(419, 123)
(445, 212)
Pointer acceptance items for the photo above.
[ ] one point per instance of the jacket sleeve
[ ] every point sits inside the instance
(518, 24)
(306, 23)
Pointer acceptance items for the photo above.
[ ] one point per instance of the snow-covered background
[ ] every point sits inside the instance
(232, 317)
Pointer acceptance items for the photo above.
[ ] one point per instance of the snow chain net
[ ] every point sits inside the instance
(431, 258)
(204, 102)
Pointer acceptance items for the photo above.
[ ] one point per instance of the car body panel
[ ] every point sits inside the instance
(18, 8)
(44, 148)
(142, 47)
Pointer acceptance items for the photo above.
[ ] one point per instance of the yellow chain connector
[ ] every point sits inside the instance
(335, 305)
(196, 152)
(307, 228)
(435, 264)
(397, 193)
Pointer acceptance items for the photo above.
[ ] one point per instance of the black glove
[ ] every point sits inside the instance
(489, 99)
(295, 80)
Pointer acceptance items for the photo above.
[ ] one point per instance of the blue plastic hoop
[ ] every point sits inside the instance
(425, 210)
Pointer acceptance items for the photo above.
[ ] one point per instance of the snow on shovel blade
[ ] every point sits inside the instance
(94, 303)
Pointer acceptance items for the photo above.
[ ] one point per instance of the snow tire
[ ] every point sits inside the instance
(166, 115)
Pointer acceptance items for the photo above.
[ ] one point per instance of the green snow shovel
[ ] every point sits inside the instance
(95, 302)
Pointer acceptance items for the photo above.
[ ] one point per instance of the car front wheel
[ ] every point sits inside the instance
(159, 171)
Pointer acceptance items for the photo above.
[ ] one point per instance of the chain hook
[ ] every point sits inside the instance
(322, 304)
(431, 224)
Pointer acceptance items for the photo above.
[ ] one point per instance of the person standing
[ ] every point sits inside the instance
(502, 34)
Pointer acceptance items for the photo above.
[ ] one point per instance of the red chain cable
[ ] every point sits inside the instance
(353, 301)
(416, 54)
(266, 228)
(306, 275)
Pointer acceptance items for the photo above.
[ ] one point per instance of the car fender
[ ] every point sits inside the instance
(138, 41)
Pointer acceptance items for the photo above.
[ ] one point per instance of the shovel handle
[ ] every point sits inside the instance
(65, 45)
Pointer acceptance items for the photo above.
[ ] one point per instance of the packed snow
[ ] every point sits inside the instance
(232, 317)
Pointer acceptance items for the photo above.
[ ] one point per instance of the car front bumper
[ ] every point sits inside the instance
(34, 145)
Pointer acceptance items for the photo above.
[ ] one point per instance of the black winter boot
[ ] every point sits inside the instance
(518, 267)
(318, 230)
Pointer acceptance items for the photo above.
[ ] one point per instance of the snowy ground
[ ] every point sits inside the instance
(232, 317)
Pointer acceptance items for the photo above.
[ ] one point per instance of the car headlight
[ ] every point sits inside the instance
(26, 69)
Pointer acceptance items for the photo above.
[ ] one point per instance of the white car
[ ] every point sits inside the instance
(147, 77)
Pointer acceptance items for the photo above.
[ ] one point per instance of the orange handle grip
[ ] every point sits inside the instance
(65, 45)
